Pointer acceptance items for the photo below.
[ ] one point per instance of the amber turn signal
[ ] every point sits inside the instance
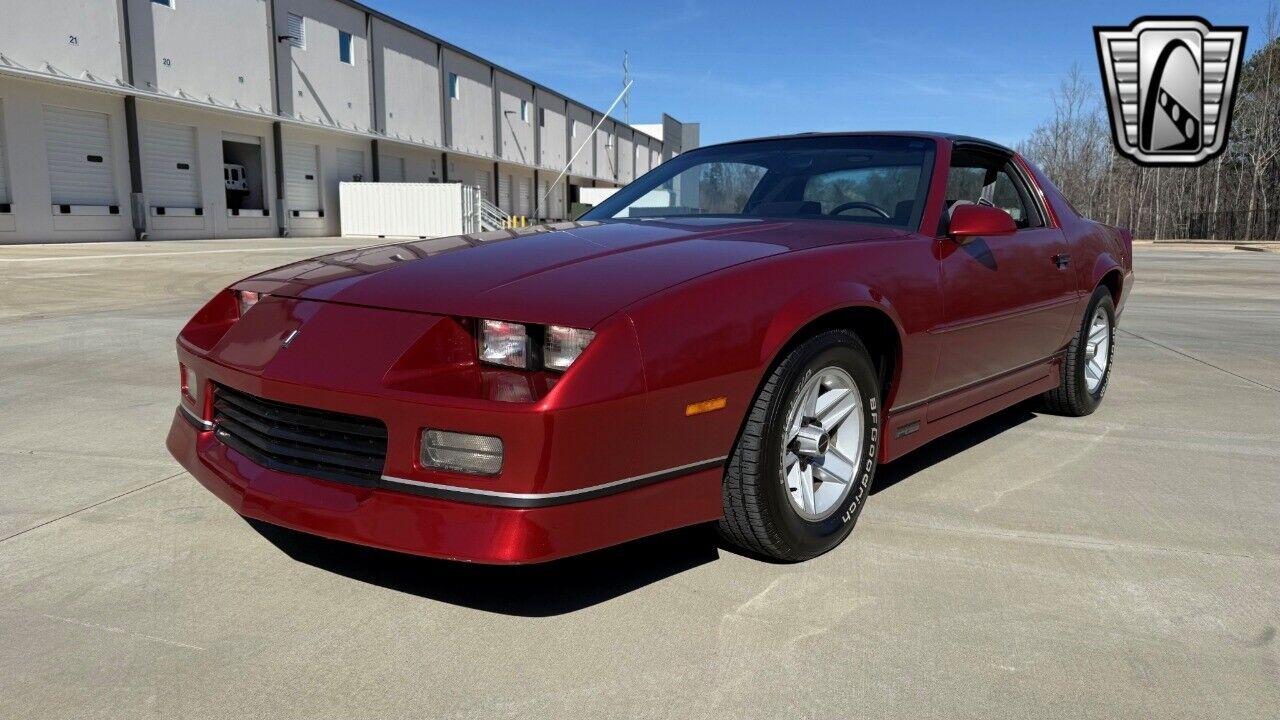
(705, 406)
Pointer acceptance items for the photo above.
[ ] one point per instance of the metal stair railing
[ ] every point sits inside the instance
(491, 216)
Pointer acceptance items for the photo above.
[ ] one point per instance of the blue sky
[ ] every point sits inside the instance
(746, 68)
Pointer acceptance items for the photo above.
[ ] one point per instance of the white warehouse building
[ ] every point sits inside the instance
(172, 119)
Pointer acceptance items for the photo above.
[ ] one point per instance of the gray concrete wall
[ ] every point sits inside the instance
(626, 156)
(580, 117)
(73, 36)
(202, 49)
(516, 132)
(211, 128)
(22, 108)
(212, 68)
(470, 115)
(328, 144)
(322, 88)
(671, 137)
(407, 76)
(420, 164)
(552, 129)
(606, 148)
(643, 162)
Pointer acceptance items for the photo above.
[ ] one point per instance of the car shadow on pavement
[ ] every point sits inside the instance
(564, 586)
(540, 590)
(950, 445)
(931, 454)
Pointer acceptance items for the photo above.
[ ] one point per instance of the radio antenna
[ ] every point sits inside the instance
(587, 141)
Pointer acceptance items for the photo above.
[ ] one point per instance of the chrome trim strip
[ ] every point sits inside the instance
(527, 500)
(915, 404)
(192, 418)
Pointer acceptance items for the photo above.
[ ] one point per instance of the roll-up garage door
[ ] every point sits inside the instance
(390, 168)
(172, 175)
(302, 177)
(350, 165)
(78, 144)
(484, 180)
(504, 192)
(522, 207)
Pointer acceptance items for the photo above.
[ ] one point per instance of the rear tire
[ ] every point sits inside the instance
(1086, 370)
(799, 473)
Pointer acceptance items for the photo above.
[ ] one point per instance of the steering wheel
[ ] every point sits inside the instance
(861, 206)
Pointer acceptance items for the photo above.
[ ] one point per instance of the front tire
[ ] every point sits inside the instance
(1086, 369)
(799, 473)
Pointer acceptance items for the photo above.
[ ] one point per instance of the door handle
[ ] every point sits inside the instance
(1062, 260)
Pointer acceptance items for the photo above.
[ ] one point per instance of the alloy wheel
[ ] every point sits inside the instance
(1097, 351)
(823, 444)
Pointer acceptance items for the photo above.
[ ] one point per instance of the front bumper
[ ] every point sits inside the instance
(469, 528)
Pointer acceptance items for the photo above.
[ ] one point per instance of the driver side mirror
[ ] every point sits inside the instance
(970, 221)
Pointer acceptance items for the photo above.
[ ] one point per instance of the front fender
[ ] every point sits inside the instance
(717, 336)
(804, 307)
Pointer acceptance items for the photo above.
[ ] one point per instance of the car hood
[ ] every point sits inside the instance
(568, 273)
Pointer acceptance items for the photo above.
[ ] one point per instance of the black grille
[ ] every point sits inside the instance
(301, 440)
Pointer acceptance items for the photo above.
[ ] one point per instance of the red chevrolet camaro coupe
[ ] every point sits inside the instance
(740, 336)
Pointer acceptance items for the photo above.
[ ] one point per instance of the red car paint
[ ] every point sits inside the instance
(683, 312)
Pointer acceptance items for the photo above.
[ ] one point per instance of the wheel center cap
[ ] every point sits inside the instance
(812, 441)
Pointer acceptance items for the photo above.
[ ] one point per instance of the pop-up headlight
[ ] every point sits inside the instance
(504, 343)
(563, 345)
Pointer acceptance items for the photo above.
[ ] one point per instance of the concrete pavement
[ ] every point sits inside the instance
(1120, 565)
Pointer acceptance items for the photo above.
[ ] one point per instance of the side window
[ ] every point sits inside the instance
(981, 179)
(1004, 195)
(965, 183)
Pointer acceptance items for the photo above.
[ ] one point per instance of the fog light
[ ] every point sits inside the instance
(461, 452)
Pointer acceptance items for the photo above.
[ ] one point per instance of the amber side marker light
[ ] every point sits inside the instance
(705, 406)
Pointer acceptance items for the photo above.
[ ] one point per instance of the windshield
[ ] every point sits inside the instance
(865, 179)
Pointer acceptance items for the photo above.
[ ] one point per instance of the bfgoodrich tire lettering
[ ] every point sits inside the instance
(759, 514)
(1086, 369)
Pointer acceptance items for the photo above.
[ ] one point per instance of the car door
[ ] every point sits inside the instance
(1008, 298)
